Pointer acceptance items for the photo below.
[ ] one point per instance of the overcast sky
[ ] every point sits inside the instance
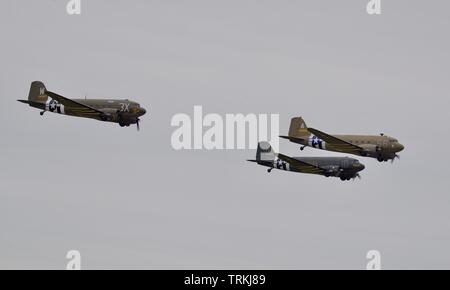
(126, 199)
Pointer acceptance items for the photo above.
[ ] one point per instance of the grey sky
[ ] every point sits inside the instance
(127, 200)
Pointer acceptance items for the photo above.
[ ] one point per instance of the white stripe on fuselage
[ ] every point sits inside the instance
(280, 164)
(316, 142)
(54, 106)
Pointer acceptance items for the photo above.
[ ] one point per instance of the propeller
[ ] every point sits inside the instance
(395, 156)
(137, 124)
(357, 175)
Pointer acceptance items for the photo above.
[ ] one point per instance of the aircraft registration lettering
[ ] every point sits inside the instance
(124, 107)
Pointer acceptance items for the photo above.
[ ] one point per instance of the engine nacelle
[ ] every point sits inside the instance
(109, 115)
(127, 119)
(370, 150)
(332, 170)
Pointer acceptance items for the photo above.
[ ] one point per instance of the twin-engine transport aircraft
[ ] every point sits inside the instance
(381, 147)
(124, 112)
(343, 167)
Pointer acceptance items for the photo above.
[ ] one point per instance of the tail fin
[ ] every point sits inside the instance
(265, 152)
(298, 127)
(37, 92)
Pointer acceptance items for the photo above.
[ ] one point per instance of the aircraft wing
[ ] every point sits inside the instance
(33, 103)
(337, 143)
(301, 166)
(77, 108)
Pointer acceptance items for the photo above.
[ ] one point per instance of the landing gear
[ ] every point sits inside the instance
(42, 113)
(379, 158)
(383, 160)
(303, 147)
(122, 123)
(120, 119)
(269, 170)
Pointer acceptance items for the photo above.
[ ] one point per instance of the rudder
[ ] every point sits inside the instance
(37, 92)
(298, 127)
(265, 152)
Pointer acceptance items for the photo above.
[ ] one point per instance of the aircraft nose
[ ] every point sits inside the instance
(359, 166)
(400, 147)
(142, 111)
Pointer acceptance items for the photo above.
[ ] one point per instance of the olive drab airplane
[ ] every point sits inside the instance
(343, 167)
(121, 111)
(381, 147)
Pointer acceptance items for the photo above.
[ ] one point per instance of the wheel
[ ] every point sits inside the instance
(342, 178)
(379, 158)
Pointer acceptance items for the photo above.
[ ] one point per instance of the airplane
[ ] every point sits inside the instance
(121, 111)
(381, 147)
(343, 167)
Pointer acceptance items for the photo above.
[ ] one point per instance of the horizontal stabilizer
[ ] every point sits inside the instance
(33, 103)
(294, 139)
(268, 163)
